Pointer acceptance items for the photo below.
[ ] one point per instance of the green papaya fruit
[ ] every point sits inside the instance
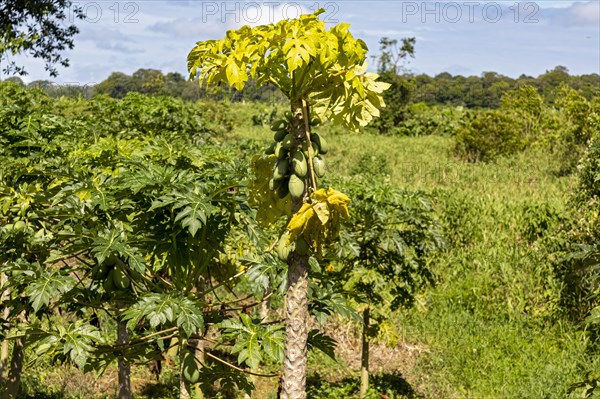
(288, 116)
(271, 149)
(280, 135)
(280, 124)
(319, 166)
(302, 247)
(99, 272)
(296, 186)
(321, 143)
(280, 152)
(288, 141)
(299, 164)
(314, 146)
(281, 169)
(283, 248)
(190, 369)
(108, 284)
(120, 279)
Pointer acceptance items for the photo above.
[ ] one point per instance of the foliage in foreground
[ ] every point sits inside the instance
(128, 224)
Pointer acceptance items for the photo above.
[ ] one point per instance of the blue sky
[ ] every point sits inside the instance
(460, 37)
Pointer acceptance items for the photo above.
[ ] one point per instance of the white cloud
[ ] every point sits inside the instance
(577, 15)
(99, 33)
(216, 18)
(587, 13)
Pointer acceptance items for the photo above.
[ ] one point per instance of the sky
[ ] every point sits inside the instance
(460, 37)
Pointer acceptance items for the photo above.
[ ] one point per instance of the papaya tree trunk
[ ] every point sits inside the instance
(199, 346)
(184, 388)
(364, 359)
(124, 366)
(293, 380)
(293, 384)
(16, 366)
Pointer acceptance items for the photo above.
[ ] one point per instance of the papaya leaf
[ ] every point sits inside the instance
(49, 287)
(322, 342)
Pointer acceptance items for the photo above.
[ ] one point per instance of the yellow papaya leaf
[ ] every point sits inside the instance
(338, 201)
(318, 221)
(299, 221)
(322, 211)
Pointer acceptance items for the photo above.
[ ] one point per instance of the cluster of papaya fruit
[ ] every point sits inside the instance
(291, 168)
(112, 276)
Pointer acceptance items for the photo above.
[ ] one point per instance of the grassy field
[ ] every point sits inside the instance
(489, 328)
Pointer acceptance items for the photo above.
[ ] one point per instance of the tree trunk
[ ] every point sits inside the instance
(184, 386)
(364, 360)
(296, 329)
(5, 313)
(16, 366)
(293, 380)
(3, 360)
(124, 366)
(199, 346)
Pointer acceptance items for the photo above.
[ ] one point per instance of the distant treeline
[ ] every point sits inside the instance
(482, 91)
(485, 91)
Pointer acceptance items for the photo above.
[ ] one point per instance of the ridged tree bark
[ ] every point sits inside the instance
(293, 382)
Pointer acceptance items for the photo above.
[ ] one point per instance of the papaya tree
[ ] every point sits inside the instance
(148, 211)
(28, 163)
(112, 241)
(385, 256)
(323, 74)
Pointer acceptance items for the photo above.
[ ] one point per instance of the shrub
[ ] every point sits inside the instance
(422, 119)
(578, 253)
(578, 265)
(580, 124)
(489, 134)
